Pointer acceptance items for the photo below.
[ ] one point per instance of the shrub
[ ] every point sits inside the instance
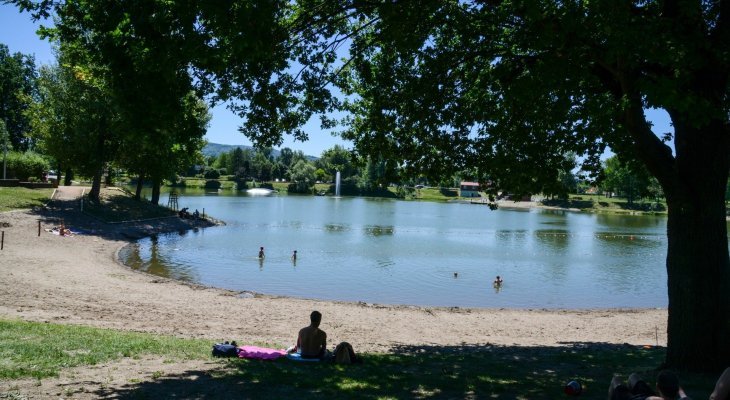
(211, 174)
(24, 165)
(299, 188)
(212, 184)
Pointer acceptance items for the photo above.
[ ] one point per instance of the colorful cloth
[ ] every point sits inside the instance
(260, 353)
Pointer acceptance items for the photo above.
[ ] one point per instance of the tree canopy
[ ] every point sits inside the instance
(507, 88)
(504, 89)
(17, 86)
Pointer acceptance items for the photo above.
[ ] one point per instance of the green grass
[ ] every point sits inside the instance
(600, 203)
(13, 198)
(436, 194)
(38, 350)
(118, 205)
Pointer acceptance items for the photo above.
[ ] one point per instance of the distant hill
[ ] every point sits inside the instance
(214, 149)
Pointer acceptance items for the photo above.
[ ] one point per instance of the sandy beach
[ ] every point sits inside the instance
(78, 280)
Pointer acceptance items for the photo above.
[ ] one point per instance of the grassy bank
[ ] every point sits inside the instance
(14, 198)
(600, 203)
(118, 205)
(41, 350)
(38, 350)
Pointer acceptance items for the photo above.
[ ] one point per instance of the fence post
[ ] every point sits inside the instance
(39, 228)
(2, 240)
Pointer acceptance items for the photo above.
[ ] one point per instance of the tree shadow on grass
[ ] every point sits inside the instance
(69, 213)
(467, 371)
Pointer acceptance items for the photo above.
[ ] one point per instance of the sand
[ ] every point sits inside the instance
(78, 280)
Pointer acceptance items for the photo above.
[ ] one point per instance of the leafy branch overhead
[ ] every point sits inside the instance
(512, 91)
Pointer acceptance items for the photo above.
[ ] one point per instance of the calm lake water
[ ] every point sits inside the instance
(399, 252)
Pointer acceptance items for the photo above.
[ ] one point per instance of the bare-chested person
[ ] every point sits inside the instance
(312, 341)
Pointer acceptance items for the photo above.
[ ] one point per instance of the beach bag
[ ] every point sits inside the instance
(225, 350)
(344, 354)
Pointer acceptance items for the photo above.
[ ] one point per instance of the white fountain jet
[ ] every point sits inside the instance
(337, 184)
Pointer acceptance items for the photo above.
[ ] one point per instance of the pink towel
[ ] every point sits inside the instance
(260, 353)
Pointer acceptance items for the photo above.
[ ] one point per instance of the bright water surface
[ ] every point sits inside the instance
(399, 252)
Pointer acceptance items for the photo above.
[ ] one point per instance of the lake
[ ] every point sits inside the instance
(408, 252)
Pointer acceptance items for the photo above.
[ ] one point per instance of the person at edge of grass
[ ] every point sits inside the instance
(261, 253)
(722, 387)
(311, 341)
(667, 384)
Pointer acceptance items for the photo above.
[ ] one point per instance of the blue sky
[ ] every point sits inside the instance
(17, 31)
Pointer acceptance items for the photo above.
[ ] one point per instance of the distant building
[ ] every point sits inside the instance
(469, 189)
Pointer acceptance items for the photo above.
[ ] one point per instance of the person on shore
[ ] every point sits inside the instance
(667, 384)
(722, 387)
(261, 253)
(196, 214)
(311, 341)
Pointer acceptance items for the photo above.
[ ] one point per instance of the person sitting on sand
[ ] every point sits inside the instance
(667, 384)
(196, 214)
(722, 387)
(312, 341)
(498, 281)
(261, 253)
(184, 213)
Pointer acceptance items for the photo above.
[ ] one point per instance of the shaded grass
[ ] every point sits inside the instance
(13, 198)
(480, 372)
(38, 350)
(117, 205)
(29, 349)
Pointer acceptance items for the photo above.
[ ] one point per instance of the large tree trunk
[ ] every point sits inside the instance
(698, 266)
(140, 183)
(109, 179)
(96, 185)
(67, 179)
(156, 182)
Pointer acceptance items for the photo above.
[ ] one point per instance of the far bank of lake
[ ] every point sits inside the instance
(420, 253)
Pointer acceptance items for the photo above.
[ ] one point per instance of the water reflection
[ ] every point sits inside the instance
(630, 221)
(377, 230)
(557, 239)
(336, 228)
(148, 257)
(625, 240)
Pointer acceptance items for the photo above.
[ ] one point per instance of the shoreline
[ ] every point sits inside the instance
(80, 280)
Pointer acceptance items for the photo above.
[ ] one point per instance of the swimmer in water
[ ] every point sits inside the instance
(498, 281)
(294, 256)
(261, 253)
